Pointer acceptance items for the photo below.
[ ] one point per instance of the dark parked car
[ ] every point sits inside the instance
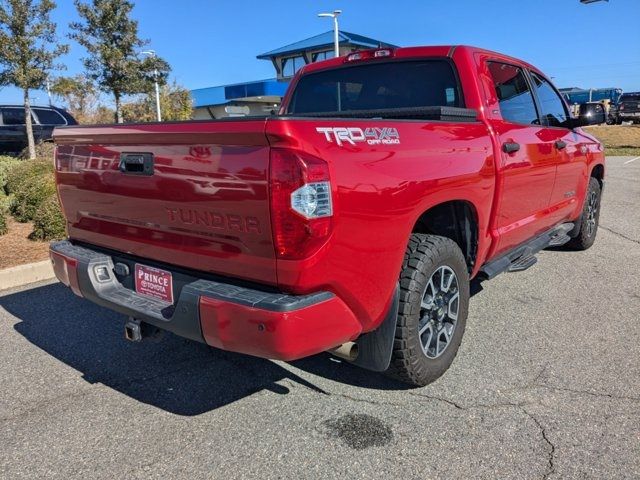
(13, 133)
(629, 108)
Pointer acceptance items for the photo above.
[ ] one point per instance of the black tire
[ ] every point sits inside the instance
(588, 222)
(426, 255)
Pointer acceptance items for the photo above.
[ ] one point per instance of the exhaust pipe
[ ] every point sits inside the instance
(347, 351)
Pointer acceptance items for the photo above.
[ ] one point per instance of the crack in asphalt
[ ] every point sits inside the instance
(551, 450)
(622, 235)
(536, 383)
(366, 400)
(438, 399)
(591, 393)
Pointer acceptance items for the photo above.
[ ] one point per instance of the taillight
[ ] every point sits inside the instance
(301, 203)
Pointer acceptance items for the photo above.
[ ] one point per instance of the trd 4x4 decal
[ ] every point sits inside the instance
(371, 135)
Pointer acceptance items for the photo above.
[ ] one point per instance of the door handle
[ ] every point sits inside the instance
(510, 147)
(136, 163)
(561, 145)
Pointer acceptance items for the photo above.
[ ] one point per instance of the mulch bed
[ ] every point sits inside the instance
(17, 249)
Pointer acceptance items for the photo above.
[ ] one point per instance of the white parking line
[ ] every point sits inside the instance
(632, 160)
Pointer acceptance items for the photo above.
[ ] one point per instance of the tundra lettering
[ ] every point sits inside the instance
(214, 220)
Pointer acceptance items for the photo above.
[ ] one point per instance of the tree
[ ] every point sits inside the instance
(28, 50)
(175, 103)
(110, 37)
(79, 94)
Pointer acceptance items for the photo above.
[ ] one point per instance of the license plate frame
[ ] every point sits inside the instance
(154, 283)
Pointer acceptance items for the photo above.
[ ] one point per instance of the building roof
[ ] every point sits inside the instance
(325, 40)
(203, 97)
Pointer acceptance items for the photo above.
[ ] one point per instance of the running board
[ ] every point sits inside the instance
(524, 256)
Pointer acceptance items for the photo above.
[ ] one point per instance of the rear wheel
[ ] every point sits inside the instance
(590, 219)
(432, 315)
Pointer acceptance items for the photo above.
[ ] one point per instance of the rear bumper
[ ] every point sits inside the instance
(223, 315)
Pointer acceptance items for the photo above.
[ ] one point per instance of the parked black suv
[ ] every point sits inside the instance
(629, 107)
(13, 132)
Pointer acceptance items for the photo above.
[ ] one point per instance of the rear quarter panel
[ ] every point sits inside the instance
(379, 193)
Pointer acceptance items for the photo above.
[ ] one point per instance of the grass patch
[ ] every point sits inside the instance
(620, 140)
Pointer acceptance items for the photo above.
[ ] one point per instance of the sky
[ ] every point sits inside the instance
(215, 42)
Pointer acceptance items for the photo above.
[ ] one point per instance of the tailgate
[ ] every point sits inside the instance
(193, 194)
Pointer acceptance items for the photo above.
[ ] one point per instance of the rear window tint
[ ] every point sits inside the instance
(377, 86)
(49, 117)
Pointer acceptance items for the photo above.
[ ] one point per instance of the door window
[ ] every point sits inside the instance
(514, 94)
(49, 117)
(553, 108)
(13, 116)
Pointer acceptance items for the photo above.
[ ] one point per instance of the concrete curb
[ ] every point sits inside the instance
(26, 274)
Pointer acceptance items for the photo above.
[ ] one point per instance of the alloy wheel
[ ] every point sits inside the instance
(439, 311)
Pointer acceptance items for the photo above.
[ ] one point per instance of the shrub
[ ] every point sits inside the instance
(44, 151)
(48, 222)
(24, 172)
(6, 164)
(3, 223)
(30, 196)
(5, 202)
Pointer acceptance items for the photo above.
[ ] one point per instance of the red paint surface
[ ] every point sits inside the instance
(65, 270)
(277, 335)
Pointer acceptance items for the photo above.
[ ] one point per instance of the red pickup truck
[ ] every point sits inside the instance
(350, 222)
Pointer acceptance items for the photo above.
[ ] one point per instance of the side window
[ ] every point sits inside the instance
(49, 117)
(514, 95)
(552, 106)
(13, 116)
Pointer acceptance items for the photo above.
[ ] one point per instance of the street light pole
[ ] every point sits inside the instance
(158, 113)
(152, 53)
(336, 30)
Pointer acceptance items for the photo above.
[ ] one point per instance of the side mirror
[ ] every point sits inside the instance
(590, 114)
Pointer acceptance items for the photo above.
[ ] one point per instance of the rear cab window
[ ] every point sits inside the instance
(378, 86)
(627, 97)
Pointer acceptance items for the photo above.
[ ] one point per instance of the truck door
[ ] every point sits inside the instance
(527, 167)
(571, 160)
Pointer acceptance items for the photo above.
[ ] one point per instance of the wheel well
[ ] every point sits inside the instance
(456, 220)
(598, 173)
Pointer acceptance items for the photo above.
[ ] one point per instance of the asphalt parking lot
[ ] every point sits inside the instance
(546, 385)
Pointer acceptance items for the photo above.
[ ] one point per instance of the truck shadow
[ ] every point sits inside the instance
(174, 374)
